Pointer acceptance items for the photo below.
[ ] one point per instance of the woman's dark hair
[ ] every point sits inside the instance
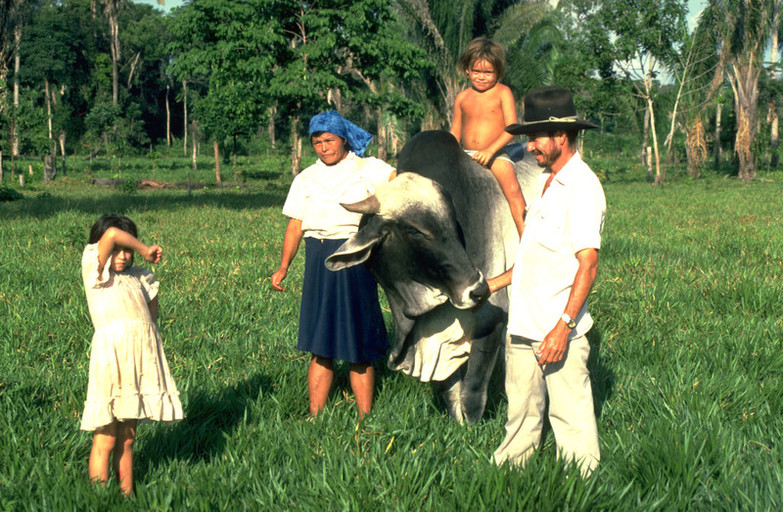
(112, 220)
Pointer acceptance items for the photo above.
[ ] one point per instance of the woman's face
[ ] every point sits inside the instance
(329, 147)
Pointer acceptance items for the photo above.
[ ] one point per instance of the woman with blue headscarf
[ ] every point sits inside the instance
(340, 316)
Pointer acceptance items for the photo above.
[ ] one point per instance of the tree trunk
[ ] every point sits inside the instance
(744, 84)
(50, 168)
(382, 138)
(716, 149)
(659, 172)
(217, 161)
(168, 117)
(296, 146)
(185, 112)
(271, 125)
(773, 103)
(61, 141)
(52, 145)
(193, 138)
(15, 111)
(645, 135)
(113, 13)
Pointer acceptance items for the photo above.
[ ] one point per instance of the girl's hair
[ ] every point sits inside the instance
(482, 48)
(112, 220)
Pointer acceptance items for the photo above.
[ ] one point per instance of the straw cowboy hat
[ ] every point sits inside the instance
(548, 109)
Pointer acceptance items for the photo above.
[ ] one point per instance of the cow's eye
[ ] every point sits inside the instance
(414, 233)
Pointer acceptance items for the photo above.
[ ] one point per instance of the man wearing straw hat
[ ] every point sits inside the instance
(547, 350)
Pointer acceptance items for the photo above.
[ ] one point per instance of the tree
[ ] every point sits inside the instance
(54, 62)
(645, 35)
(13, 17)
(741, 29)
(228, 50)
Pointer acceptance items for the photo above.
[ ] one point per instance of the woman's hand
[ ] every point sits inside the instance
(277, 278)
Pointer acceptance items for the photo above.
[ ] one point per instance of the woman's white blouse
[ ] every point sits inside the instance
(316, 194)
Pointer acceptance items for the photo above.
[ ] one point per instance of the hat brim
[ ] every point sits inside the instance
(548, 126)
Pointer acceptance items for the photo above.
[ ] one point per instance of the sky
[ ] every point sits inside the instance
(169, 4)
(694, 7)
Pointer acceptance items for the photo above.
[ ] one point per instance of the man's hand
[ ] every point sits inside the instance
(554, 346)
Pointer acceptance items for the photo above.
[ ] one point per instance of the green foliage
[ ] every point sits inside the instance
(10, 194)
(129, 186)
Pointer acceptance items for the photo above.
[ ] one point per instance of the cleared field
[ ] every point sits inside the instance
(687, 366)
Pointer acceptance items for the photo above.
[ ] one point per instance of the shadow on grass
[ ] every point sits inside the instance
(601, 376)
(201, 436)
(44, 204)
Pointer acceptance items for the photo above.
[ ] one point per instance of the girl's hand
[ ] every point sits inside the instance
(482, 157)
(153, 253)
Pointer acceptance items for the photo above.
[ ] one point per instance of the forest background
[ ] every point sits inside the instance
(113, 78)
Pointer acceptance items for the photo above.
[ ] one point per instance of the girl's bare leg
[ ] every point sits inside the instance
(320, 375)
(103, 443)
(123, 455)
(506, 175)
(362, 377)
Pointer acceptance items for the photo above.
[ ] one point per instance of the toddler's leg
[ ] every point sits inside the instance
(507, 178)
(123, 455)
(103, 443)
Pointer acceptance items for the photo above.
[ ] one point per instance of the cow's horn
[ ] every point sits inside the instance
(371, 205)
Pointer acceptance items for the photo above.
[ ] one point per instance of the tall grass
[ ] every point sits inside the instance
(686, 365)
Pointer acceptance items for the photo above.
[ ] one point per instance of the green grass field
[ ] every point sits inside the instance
(687, 363)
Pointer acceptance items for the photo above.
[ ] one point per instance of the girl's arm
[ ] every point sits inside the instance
(456, 123)
(114, 237)
(291, 240)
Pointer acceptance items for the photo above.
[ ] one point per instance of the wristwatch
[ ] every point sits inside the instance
(570, 322)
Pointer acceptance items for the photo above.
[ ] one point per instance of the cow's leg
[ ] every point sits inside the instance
(473, 392)
(449, 391)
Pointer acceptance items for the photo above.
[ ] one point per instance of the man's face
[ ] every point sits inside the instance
(545, 147)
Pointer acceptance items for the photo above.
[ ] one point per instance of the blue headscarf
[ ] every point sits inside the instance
(331, 121)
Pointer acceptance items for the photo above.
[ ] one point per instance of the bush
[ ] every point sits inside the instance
(9, 194)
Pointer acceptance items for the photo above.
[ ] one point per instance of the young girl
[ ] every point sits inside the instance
(129, 375)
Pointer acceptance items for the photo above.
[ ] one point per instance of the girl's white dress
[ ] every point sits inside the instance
(129, 374)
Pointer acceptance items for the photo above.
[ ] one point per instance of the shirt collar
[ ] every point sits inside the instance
(568, 170)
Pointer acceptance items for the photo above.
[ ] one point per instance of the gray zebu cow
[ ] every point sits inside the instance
(430, 237)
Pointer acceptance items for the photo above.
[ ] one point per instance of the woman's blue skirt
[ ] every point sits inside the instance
(340, 316)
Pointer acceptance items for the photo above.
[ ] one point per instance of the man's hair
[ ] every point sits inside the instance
(482, 48)
(571, 135)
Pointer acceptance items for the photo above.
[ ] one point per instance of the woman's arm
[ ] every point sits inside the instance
(114, 237)
(291, 240)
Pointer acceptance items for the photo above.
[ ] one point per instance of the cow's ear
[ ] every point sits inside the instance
(356, 249)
